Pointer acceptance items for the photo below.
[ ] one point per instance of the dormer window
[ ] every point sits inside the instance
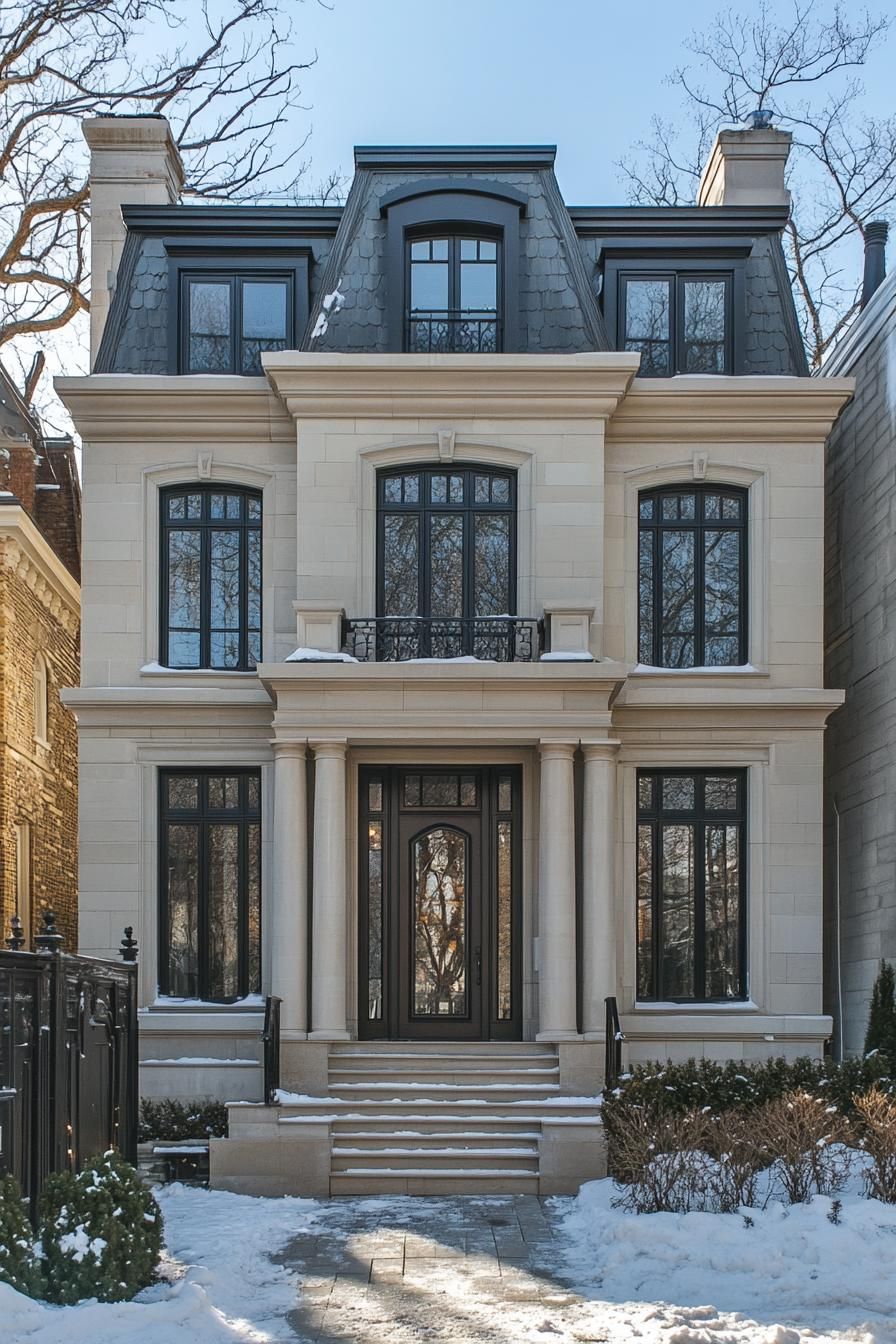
(678, 323)
(229, 320)
(453, 286)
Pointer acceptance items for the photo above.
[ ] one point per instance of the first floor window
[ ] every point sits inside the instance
(691, 883)
(210, 897)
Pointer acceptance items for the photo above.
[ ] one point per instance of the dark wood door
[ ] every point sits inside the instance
(439, 935)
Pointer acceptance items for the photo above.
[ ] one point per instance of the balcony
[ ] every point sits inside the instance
(453, 331)
(399, 639)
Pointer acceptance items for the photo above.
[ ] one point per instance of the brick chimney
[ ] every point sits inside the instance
(133, 161)
(746, 168)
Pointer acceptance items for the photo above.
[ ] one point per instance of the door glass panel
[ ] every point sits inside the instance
(440, 790)
(400, 565)
(505, 926)
(505, 793)
(375, 920)
(439, 877)
(447, 565)
(223, 911)
(183, 911)
(646, 989)
(253, 895)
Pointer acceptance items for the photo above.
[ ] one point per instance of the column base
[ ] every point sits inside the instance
(597, 1036)
(324, 1035)
(288, 1034)
(558, 1035)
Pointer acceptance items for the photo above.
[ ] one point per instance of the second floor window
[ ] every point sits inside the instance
(453, 295)
(211, 577)
(680, 323)
(692, 577)
(228, 320)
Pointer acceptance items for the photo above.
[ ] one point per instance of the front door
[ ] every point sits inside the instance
(439, 880)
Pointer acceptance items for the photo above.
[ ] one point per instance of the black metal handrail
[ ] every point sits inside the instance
(613, 1044)
(397, 639)
(453, 330)
(270, 1048)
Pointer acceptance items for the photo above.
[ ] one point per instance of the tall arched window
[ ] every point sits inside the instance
(692, 576)
(211, 577)
(40, 688)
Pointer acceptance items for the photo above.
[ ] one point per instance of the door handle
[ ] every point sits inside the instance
(478, 956)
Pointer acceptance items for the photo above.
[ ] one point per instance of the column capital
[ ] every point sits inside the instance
(329, 748)
(283, 747)
(557, 751)
(604, 750)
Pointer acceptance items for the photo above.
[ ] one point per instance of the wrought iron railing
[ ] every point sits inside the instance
(397, 639)
(613, 1044)
(458, 331)
(270, 1048)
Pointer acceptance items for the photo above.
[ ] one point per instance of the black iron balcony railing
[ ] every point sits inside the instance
(457, 331)
(396, 639)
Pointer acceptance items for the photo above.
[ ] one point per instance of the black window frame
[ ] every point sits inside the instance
(438, 206)
(454, 237)
(679, 269)
(699, 524)
(238, 259)
(235, 280)
(656, 816)
(206, 525)
(204, 816)
(424, 508)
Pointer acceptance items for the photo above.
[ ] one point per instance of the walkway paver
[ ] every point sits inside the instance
(468, 1270)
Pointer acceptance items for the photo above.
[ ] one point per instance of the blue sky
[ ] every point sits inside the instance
(582, 74)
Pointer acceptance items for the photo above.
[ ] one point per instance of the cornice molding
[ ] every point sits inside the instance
(493, 387)
(27, 554)
(739, 409)
(163, 408)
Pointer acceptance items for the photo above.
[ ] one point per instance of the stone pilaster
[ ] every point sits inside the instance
(328, 913)
(557, 895)
(288, 922)
(598, 885)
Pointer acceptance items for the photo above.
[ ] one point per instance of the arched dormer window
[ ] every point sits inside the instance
(41, 714)
(453, 264)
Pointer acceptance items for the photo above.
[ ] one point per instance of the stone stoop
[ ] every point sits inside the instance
(419, 1119)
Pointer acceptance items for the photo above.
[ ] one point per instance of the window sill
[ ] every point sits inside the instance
(205, 673)
(742, 670)
(251, 1003)
(735, 1006)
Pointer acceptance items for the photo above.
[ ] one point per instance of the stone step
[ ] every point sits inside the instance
(451, 1109)
(374, 1138)
(373, 1181)
(486, 1093)
(397, 1061)
(434, 1160)
(456, 1074)
(482, 1049)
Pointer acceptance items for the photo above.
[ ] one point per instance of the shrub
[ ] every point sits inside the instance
(101, 1233)
(807, 1140)
(18, 1264)
(881, 1033)
(878, 1117)
(174, 1120)
(665, 1164)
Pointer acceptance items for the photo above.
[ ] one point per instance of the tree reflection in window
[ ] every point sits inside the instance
(692, 577)
(439, 878)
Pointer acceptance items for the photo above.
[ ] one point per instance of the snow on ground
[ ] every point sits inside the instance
(777, 1275)
(222, 1286)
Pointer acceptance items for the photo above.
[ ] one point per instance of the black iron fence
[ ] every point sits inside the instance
(68, 1057)
(396, 639)
(270, 1048)
(613, 1044)
(453, 330)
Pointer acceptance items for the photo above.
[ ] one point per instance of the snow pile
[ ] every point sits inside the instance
(795, 1270)
(222, 1285)
(319, 656)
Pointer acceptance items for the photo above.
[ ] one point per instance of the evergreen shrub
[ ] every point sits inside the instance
(101, 1233)
(881, 1033)
(171, 1121)
(18, 1264)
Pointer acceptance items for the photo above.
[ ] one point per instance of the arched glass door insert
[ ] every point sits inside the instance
(446, 562)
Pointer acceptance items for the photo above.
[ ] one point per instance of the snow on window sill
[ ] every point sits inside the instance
(319, 656)
(171, 1003)
(158, 670)
(720, 1006)
(741, 670)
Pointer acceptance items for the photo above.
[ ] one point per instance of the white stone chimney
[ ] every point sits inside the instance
(133, 161)
(746, 168)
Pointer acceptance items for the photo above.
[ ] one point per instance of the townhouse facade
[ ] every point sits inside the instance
(39, 650)
(860, 657)
(453, 628)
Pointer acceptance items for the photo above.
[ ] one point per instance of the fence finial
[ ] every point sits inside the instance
(16, 941)
(128, 949)
(49, 939)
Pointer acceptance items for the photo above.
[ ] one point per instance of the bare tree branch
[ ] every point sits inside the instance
(842, 170)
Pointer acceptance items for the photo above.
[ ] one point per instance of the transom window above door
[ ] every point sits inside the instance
(447, 556)
(692, 577)
(453, 295)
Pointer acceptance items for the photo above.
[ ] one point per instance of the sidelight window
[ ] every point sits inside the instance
(210, 884)
(691, 908)
(692, 577)
(211, 577)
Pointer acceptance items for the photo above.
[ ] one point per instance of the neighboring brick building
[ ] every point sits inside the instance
(860, 656)
(40, 527)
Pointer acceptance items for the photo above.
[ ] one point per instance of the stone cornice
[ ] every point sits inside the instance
(162, 408)
(699, 708)
(176, 707)
(489, 387)
(26, 552)
(730, 409)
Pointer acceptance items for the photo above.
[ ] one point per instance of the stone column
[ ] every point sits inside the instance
(556, 895)
(598, 887)
(288, 921)
(329, 949)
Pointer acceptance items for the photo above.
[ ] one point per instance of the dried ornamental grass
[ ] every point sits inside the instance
(877, 1113)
